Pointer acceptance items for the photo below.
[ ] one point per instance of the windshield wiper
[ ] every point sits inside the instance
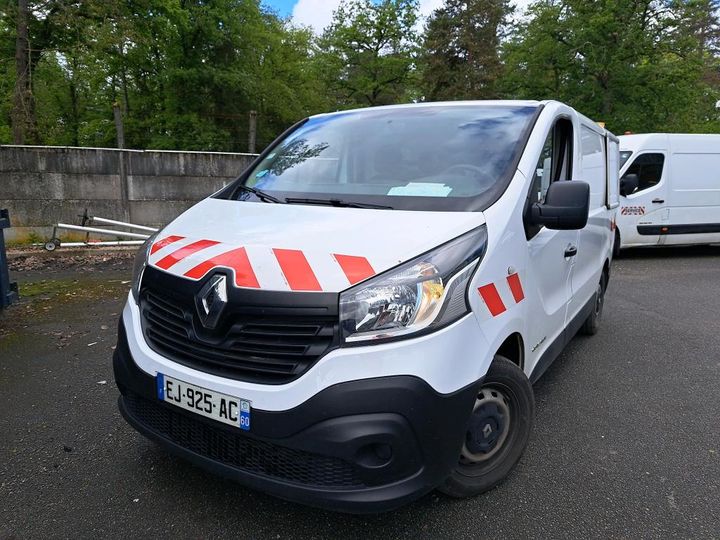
(337, 203)
(265, 197)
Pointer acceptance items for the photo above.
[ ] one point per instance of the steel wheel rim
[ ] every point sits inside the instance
(599, 300)
(490, 402)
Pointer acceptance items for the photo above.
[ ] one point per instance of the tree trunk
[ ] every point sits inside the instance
(75, 112)
(22, 95)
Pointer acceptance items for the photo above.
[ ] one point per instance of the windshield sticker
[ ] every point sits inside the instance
(261, 173)
(417, 189)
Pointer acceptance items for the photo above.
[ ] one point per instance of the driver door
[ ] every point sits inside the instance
(645, 211)
(551, 250)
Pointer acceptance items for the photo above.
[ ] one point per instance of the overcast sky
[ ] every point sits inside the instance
(318, 13)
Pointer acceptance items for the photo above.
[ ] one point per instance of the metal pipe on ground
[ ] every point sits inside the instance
(106, 221)
(98, 244)
(55, 243)
(96, 230)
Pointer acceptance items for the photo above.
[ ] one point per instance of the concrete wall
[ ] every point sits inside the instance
(43, 185)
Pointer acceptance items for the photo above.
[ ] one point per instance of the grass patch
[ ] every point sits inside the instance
(46, 287)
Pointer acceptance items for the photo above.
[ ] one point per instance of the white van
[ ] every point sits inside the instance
(358, 319)
(670, 190)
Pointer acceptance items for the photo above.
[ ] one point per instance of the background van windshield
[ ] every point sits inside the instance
(387, 154)
(624, 156)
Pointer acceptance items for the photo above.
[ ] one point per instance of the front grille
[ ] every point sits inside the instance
(241, 452)
(267, 345)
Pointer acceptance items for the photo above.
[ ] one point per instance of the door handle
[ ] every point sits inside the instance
(658, 201)
(570, 251)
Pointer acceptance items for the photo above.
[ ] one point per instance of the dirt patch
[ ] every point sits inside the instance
(79, 260)
(56, 287)
(46, 306)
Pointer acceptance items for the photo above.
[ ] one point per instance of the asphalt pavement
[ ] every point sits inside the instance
(626, 442)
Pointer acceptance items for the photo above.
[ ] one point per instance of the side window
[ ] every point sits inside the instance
(593, 164)
(543, 171)
(555, 162)
(649, 168)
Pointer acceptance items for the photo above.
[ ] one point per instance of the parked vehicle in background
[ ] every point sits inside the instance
(358, 319)
(670, 190)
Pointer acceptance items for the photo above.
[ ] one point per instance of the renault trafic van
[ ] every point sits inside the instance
(670, 190)
(359, 318)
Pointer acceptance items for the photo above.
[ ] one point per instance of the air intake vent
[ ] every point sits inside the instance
(237, 450)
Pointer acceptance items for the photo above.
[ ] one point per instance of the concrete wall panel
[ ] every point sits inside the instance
(45, 185)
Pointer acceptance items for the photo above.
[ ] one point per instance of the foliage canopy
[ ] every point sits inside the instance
(187, 73)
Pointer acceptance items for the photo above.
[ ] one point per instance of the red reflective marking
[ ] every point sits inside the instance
(179, 254)
(516, 288)
(356, 268)
(237, 260)
(296, 269)
(492, 298)
(164, 242)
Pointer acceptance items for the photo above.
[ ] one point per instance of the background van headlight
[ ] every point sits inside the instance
(419, 296)
(141, 258)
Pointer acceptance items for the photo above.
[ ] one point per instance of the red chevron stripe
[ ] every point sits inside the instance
(235, 259)
(492, 298)
(356, 268)
(516, 288)
(164, 242)
(296, 270)
(179, 254)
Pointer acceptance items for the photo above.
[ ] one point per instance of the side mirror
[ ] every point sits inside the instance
(628, 184)
(566, 207)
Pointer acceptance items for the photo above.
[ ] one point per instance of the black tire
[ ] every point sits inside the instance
(481, 468)
(616, 245)
(592, 324)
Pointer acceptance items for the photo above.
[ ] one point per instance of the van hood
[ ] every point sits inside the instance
(284, 247)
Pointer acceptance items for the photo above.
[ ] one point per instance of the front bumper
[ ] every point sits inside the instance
(362, 446)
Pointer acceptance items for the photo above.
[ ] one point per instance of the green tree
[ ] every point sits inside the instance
(701, 24)
(186, 73)
(633, 64)
(367, 54)
(7, 69)
(461, 49)
(230, 57)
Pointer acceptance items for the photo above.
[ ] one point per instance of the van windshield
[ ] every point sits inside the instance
(624, 156)
(448, 157)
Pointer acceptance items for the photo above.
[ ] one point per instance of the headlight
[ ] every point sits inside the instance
(139, 266)
(420, 295)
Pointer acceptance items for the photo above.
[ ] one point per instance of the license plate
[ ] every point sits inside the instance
(208, 403)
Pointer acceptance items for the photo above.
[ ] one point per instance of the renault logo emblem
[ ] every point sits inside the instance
(211, 301)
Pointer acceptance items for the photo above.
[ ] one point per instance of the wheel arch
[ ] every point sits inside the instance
(617, 243)
(606, 271)
(513, 348)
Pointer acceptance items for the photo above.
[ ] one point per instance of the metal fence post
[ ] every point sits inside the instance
(8, 291)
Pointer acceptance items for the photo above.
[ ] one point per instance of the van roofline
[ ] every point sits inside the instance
(671, 134)
(638, 141)
(465, 103)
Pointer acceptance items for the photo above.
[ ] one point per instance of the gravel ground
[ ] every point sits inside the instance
(626, 440)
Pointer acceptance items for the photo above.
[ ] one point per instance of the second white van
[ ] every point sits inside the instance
(669, 190)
